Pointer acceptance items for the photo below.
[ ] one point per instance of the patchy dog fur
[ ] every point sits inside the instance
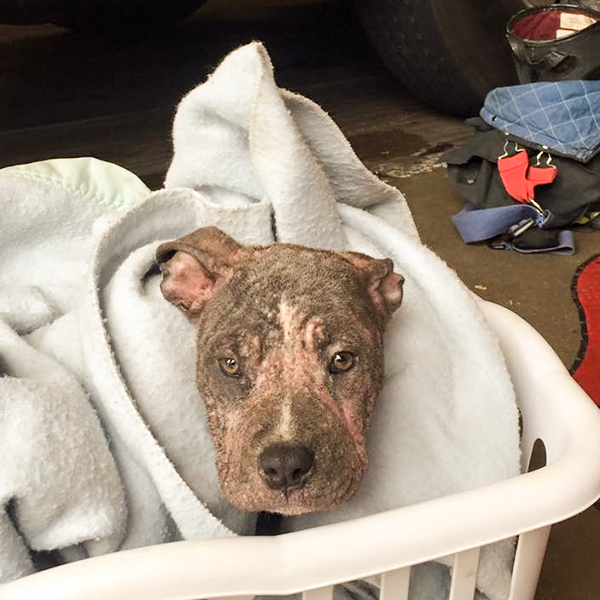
(289, 362)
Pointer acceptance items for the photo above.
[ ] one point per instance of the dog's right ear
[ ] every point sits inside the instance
(195, 267)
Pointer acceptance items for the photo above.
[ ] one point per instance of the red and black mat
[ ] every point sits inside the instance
(586, 294)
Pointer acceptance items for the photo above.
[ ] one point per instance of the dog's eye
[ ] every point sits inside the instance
(230, 366)
(341, 362)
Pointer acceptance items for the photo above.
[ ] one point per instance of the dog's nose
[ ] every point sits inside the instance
(285, 465)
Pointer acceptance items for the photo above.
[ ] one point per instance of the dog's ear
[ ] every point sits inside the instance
(383, 285)
(195, 267)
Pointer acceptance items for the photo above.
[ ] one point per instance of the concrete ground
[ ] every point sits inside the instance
(68, 95)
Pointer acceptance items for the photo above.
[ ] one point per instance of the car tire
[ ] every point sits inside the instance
(448, 53)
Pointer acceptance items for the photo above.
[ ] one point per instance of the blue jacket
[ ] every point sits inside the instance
(562, 116)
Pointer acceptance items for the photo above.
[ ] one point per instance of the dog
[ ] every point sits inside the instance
(289, 362)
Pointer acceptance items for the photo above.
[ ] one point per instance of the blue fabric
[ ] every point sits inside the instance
(562, 115)
(565, 245)
(481, 224)
(477, 225)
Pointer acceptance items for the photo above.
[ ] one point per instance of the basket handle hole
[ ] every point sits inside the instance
(537, 459)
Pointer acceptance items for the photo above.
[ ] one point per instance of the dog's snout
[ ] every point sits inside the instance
(285, 465)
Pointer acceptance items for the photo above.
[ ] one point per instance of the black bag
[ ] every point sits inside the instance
(574, 193)
(473, 170)
(556, 42)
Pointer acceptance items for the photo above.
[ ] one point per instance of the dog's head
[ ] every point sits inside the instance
(289, 362)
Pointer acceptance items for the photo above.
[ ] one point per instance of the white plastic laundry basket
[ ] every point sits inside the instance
(554, 409)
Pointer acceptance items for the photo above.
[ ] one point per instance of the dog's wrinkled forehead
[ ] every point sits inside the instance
(208, 265)
(298, 325)
(297, 296)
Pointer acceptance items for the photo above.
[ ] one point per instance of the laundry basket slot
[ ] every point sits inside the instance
(534, 458)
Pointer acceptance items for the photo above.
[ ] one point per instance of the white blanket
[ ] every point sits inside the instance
(101, 427)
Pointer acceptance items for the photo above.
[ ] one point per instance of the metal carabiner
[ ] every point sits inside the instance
(548, 161)
(506, 147)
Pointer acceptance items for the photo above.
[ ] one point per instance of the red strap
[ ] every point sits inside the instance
(520, 179)
(541, 175)
(513, 172)
(537, 175)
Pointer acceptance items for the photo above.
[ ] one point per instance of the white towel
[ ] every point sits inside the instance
(264, 165)
(447, 419)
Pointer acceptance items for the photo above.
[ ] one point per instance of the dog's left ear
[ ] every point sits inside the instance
(384, 286)
(195, 267)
